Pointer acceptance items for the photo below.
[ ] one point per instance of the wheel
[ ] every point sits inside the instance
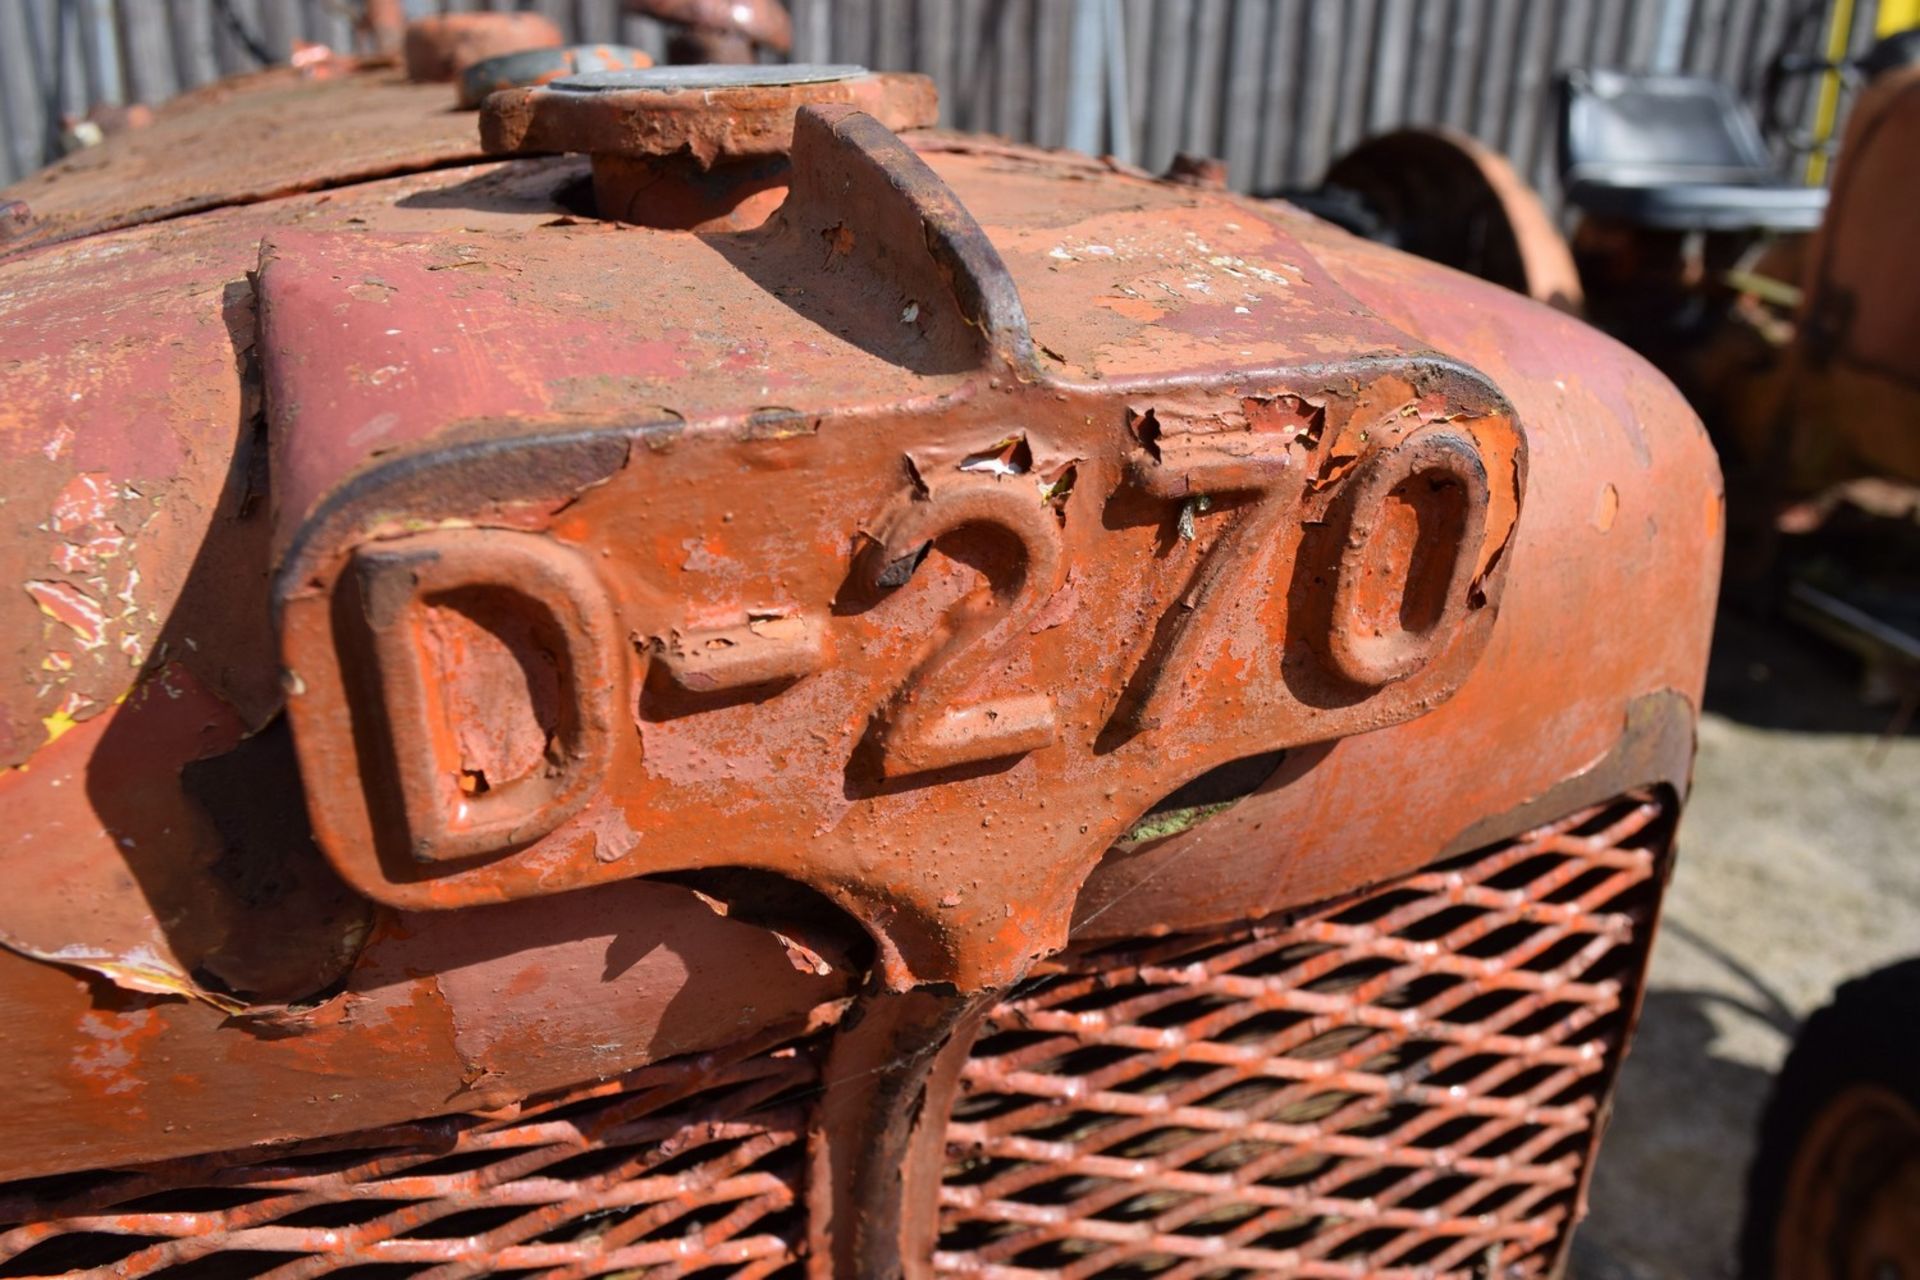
(1834, 1192)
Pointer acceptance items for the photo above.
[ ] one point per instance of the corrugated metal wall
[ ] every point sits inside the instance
(1277, 87)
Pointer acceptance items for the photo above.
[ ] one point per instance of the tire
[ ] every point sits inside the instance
(1834, 1189)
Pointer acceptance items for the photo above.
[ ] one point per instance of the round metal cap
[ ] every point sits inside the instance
(707, 77)
(544, 66)
(710, 114)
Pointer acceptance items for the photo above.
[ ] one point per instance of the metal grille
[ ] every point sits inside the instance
(688, 1168)
(1401, 1084)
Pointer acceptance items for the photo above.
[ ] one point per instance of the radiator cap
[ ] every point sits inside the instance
(711, 114)
(695, 148)
(542, 66)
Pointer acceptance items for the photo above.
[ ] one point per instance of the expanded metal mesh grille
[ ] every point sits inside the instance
(1402, 1084)
(689, 1168)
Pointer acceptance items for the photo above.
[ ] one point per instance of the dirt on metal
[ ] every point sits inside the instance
(299, 130)
(466, 645)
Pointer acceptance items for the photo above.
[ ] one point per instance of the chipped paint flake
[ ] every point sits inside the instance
(86, 499)
(72, 608)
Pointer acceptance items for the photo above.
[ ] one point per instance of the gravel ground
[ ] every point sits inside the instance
(1799, 866)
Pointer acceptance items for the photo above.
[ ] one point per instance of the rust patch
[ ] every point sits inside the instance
(914, 687)
(300, 133)
(957, 716)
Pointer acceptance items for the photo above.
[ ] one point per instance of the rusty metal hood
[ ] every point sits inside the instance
(428, 547)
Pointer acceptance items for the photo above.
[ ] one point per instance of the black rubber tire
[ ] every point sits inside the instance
(1868, 1034)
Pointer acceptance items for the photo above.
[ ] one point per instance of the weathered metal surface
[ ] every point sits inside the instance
(539, 66)
(878, 1136)
(692, 1163)
(440, 1013)
(16, 216)
(693, 148)
(138, 498)
(1397, 1084)
(299, 133)
(910, 547)
(724, 31)
(1853, 1190)
(1854, 375)
(712, 114)
(1362, 495)
(441, 47)
(1300, 837)
(1290, 1102)
(1446, 197)
(1834, 1188)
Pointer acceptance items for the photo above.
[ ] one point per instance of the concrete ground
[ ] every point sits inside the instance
(1799, 866)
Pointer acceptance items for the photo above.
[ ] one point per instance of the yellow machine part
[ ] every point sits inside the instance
(1890, 18)
(1896, 16)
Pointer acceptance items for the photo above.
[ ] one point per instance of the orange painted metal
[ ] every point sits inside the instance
(722, 31)
(467, 645)
(508, 1189)
(542, 66)
(1316, 1094)
(962, 692)
(301, 132)
(1848, 1208)
(694, 148)
(441, 47)
(764, 22)
(1853, 375)
(381, 24)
